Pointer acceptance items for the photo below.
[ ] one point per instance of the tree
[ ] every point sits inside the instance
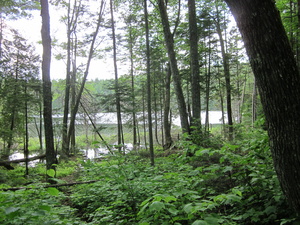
(225, 59)
(278, 82)
(18, 63)
(117, 90)
(47, 95)
(169, 40)
(148, 85)
(194, 60)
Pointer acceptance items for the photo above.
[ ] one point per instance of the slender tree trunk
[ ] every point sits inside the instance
(222, 105)
(207, 84)
(174, 67)
(166, 122)
(65, 145)
(278, 82)
(149, 107)
(134, 122)
(144, 118)
(86, 72)
(26, 152)
(117, 91)
(47, 95)
(194, 61)
(254, 103)
(227, 77)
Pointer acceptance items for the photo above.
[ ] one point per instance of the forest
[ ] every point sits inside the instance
(165, 112)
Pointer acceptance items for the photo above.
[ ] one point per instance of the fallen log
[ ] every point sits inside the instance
(7, 165)
(50, 185)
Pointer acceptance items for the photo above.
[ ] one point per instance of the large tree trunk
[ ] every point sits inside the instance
(278, 82)
(174, 67)
(47, 95)
(194, 60)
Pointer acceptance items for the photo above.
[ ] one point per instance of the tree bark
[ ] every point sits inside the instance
(86, 72)
(166, 121)
(47, 95)
(149, 107)
(117, 91)
(174, 67)
(278, 82)
(226, 74)
(194, 61)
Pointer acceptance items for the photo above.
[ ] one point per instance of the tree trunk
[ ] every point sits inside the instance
(166, 121)
(278, 82)
(149, 108)
(65, 144)
(174, 67)
(117, 91)
(254, 103)
(227, 76)
(86, 72)
(47, 95)
(134, 121)
(194, 61)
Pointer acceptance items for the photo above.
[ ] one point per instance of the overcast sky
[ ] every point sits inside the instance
(30, 29)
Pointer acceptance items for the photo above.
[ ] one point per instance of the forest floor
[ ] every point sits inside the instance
(225, 184)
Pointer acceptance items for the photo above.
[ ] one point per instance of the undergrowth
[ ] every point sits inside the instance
(231, 184)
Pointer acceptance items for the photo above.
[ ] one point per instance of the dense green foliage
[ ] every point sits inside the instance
(229, 184)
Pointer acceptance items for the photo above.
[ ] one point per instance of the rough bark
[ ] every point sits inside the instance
(174, 67)
(278, 82)
(166, 121)
(47, 95)
(194, 61)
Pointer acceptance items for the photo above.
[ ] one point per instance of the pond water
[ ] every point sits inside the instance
(20, 155)
(87, 153)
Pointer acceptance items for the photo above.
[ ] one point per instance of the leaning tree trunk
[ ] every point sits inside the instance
(86, 72)
(47, 95)
(174, 67)
(278, 82)
(225, 58)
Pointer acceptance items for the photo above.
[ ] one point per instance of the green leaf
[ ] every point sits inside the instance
(233, 198)
(156, 206)
(202, 151)
(173, 211)
(45, 207)
(52, 191)
(51, 173)
(11, 210)
(188, 208)
(200, 222)
(211, 220)
(170, 198)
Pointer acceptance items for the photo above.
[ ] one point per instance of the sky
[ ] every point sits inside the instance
(30, 29)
